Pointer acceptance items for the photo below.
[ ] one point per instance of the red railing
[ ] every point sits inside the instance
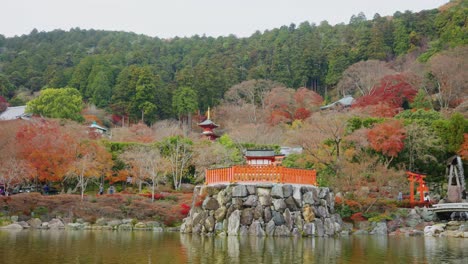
(255, 174)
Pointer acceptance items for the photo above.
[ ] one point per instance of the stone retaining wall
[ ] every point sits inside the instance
(262, 210)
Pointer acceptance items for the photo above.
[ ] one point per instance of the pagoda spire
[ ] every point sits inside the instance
(208, 127)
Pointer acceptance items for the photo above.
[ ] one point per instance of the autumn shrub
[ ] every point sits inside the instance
(40, 211)
(380, 218)
(358, 217)
(344, 210)
(157, 196)
(185, 209)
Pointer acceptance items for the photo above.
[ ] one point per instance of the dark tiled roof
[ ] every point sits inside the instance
(207, 122)
(260, 153)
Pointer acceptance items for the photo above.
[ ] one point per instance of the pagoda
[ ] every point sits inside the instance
(208, 127)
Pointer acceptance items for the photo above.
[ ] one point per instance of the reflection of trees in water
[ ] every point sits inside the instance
(62, 246)
(353, 249)
(246, 249)
(446, 249)
(35, 246)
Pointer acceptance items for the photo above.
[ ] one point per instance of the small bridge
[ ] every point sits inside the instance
(449, 207)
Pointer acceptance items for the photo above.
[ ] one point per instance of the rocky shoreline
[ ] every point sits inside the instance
(79, 224)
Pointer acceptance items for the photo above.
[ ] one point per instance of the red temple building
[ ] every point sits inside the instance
(208, 127)
(262, 166)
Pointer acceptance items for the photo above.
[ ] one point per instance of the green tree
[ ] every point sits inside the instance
(58, 103)
(178, 150)
(6, 88)
(451, 131)
(184, 103)
(102, 89)
(421, 100)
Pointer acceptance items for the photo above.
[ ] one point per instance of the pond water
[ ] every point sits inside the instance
(34, 246)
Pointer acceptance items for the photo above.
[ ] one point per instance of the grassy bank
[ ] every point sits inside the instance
(168, 208)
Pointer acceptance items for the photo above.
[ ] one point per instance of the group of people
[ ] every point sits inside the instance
(111, 189)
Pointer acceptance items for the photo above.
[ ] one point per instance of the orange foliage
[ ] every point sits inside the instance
(92, 118)
(47, 148)
(382, 110)
(392, 90)
(463, 152)
(387, 138)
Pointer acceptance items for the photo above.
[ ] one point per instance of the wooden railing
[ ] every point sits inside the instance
(258, 174)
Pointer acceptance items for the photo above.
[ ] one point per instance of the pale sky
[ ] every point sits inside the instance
(170, 18)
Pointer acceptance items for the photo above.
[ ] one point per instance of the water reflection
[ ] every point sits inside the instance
(148, 247)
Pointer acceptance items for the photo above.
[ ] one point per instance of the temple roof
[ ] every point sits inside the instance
(345, 101)
(208, 122)
(260, 153)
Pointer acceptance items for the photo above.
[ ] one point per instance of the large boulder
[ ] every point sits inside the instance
(270, 228)
(239, 191)
(287, 190)
(308, 198)
(186, 226)
(413, 219)
(322, 212)
(265, 200)
(324, 192)
(263, 191)
(258, 212)
(35, 223)
(277, 191)
(246, 217)
(434, 230)
(23, 224)
(380, 229)
(220, 213)
(279, 205)
(141, 226)
(309, 229)
(288, 219)
(14, 226)
(114, 223)
(209, 224)
(290, 203)
(243, 231)
(329, 226)
(224, 197)
(251, 201)
(251, 189)
(297, 196)
(278, 218)
(219, 227)
(256, 229)
(237, 203)
(426, 215)
(319, 228)
(282, 231)
(234, 223)
(56, 224)
(267, 215)
(199, 218)
(210, 204)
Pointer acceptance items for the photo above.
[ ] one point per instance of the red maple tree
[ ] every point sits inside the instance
(387, 138)
(392, 90)
(48, 149)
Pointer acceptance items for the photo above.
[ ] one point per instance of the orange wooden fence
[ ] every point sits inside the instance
(257, 174)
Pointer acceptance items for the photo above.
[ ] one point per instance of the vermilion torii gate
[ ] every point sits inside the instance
(419, 179)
